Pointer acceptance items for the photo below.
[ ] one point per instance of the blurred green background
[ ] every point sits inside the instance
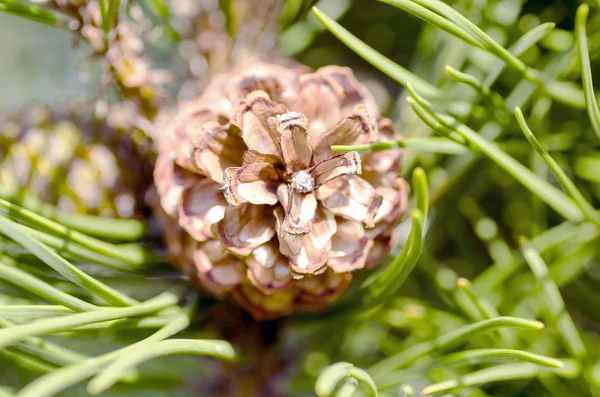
(478, 211)
(39, 64)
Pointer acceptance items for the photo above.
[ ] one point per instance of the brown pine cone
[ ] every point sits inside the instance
(257, 206)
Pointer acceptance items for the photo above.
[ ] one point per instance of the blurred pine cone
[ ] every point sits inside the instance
(256, 204)
(77, 159)
(214, 42)
(123, 50)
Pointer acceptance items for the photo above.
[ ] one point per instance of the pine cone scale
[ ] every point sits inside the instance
(255, 183)
(252, 121)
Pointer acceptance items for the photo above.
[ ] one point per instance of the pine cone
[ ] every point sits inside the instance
(258, 207)
(76, 160)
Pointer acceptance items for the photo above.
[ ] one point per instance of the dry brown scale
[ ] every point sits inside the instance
(256, 205)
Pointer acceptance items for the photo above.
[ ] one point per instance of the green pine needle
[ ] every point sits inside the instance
(586, 70)
(397, 72)
(31, 12)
